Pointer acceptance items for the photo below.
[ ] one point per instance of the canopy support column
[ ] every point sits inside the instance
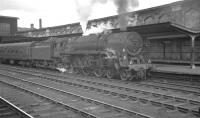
(192, 59)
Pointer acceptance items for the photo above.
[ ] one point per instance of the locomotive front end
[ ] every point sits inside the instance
(131, 60)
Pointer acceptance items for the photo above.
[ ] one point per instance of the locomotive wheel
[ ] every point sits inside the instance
(85, 71)
(79, 71)
(69, 69)
(140, 74)
(12, 62)
(75, 70)
(98, 72)
(109, 74)
(125, 75)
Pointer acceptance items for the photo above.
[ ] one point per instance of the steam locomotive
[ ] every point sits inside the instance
(102, 55)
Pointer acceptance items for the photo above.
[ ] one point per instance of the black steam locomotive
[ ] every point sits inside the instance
(106, 54)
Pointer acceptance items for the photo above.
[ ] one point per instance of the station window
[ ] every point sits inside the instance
(54, 45)
(4, 28)
(61, 44)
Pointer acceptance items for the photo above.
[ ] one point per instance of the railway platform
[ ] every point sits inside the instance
(176, 69)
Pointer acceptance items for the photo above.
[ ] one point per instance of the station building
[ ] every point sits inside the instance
(8, 27)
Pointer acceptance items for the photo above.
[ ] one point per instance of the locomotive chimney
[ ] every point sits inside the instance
(40, 23)
(32, 26)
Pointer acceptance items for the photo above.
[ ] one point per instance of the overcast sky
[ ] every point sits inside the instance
(61, 12)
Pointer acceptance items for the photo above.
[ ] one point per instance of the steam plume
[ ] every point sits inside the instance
(85, 7)
(123, 7)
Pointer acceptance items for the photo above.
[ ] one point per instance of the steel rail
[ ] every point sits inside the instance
(172, 82)
(21, 112)
(173, 88)
(115, 93)
(105, 84)
(88, 99)
(121, 94)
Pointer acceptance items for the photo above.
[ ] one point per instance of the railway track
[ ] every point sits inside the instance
(37, 105)
(9, 110)
(137, 96)
(160, 82)
(186, 84)
(154, 83)
(87, 106)
(176, 76)
(175, 79)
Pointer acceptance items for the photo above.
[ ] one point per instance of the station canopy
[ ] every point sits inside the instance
(162, 30)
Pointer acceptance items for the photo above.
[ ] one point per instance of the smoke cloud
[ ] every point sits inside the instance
(123, 7)
(85, 7)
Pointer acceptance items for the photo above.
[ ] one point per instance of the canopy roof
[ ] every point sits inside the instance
(162, 30)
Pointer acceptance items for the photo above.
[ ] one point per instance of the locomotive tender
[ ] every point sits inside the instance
(104, 54)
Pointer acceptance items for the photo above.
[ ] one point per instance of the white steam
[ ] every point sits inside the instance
(99, 29)
(123, 7)
(85, 8)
